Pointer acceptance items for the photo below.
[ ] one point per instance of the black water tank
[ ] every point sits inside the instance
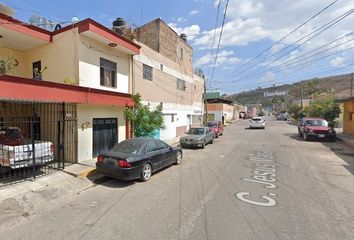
(119, 23)
(183, 36)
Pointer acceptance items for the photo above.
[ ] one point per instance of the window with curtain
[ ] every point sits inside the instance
(108, 73)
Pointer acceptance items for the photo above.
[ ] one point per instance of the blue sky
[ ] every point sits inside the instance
(250, 27)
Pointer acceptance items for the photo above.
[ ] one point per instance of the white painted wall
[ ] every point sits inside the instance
(90, 53)
(86, 113)
(180, 113)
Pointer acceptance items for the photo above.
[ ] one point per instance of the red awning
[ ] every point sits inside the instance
(17, 88)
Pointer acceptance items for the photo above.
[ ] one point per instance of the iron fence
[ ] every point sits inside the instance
(36, 139)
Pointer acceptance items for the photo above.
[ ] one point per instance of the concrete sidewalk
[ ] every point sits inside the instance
(348, 139)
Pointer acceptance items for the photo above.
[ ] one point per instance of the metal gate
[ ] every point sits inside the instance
(36, 139)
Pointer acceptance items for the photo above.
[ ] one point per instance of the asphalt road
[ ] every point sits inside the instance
(249, 184)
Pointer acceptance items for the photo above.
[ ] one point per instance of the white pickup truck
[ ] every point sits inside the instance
(17, 152)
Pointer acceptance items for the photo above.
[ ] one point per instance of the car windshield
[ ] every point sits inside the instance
(316, 123)
(256, 119)
(131, 146)
(211, 124)
(196, 131)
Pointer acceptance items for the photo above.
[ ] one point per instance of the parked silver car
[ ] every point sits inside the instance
(197, 137)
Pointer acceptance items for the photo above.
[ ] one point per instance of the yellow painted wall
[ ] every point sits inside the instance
(20, 69)
(60, 57)
(86, 113)
(348, 117)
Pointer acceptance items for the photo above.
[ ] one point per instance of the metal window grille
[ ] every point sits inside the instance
(147, 72)
(181, 84)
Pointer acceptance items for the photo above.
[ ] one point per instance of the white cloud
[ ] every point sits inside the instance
(268, 77)
(181, 19)
(338, 61)
(194, 12)
(254, 20)
(224, 57)
(191, 31)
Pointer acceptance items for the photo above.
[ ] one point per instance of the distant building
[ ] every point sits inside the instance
(223, 110)
(163, 74)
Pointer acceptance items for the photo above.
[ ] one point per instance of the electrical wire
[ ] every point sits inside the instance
(218, 47)
(286, 36)
(320, 29)
(214, 37)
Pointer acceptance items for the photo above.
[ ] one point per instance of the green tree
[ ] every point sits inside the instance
(144, 121)
(324, 107)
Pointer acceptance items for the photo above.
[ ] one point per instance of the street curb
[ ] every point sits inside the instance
(91, 171)
(346, 141)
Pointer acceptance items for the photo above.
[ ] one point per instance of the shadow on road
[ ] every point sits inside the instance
(110, 182)
(344, 152)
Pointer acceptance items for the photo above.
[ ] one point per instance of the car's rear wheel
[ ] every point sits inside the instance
(178, 158)
(146, 172)
(216, 135)
(212, 141)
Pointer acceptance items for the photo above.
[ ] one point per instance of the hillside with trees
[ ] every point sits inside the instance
(338, 85)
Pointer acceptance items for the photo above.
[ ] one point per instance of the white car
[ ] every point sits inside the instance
(257, 122)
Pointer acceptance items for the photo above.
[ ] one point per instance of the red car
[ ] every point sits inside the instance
(315, 128)
(215, 127)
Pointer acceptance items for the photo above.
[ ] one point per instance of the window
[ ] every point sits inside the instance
(151, 146)
(161, 145)
(181, 84)
(36, 70)
(108, 72)
(181, 53)
(147, 72)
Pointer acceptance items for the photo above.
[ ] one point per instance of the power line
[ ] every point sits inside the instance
(307, 63)
(212, 46)
(283, 38)
(292, 62)
(322, 29)
(218, 47)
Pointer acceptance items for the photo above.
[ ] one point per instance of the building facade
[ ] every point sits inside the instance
(348, 116)
(223, 110)
(163, 74)
(84, 66)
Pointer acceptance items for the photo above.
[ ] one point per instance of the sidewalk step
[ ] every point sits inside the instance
(80, 171)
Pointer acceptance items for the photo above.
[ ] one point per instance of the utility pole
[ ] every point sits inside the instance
(302, 96)
(351, 84)
(205, 104)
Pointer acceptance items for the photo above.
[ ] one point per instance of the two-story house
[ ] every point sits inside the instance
(163, 74)
(69, 86)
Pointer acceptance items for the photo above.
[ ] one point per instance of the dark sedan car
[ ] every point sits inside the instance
(137, 158)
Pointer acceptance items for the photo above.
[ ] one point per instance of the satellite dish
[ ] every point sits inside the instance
(6, 10)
